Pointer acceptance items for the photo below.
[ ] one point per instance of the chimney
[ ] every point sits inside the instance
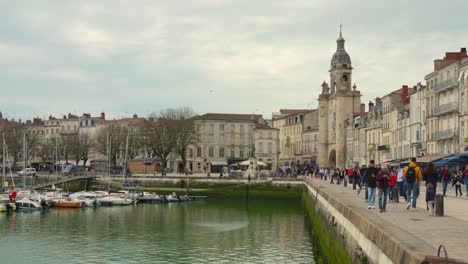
(135, 116)
(363, 108)
(463, 53)
(404, 95)
(103, 116)
(371, 106)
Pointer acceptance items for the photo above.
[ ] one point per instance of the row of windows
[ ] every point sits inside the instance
(211, 128)
(212, 139)
(287, 131)
(221, 152)
(53, 130)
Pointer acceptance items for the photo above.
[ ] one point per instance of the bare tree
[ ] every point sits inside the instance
(159, 139)
(184, 129)
(21, 143)
(46, 150)
(112, 139)
(86, 145)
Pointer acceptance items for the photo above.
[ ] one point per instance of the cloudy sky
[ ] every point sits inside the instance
(232, 56)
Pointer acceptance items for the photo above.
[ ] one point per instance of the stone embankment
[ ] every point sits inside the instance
(397, 236)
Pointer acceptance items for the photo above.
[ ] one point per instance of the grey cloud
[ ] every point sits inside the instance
(125, 57)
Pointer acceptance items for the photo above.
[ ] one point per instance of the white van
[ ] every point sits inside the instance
(28, 172)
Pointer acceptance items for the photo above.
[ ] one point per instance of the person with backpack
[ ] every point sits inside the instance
(413, 176)
(445, 175)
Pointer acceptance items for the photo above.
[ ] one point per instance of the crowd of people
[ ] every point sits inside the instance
(387, 182)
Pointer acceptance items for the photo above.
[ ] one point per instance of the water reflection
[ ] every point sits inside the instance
(197, 232)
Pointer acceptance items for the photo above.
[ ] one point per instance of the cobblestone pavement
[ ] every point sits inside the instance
(450, 230)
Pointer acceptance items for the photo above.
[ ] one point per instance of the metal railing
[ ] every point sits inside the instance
(446, 108)
(446, 134)
(444, 85)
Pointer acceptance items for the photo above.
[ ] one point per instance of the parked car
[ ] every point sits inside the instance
(74, 170)
(28, 172)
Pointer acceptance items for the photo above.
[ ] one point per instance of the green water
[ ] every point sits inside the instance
(213, 231)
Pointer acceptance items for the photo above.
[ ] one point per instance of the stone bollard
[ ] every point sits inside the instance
(439, 205)
(345, 183)
(396, 195)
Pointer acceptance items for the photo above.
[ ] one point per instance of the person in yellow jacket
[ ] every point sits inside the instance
(413, 176)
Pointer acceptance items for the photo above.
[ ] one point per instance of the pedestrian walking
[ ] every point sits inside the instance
(400, 182)
(457, 182)
(382, 180)
(445, 173)
(412, 176)
(371, 175)
(431, 176)
(363, 181)
(430, 198)
(391, 184)
(465, 176)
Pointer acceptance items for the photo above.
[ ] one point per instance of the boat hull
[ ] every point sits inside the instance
(67, 204)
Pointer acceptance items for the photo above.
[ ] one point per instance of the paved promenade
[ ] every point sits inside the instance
(431, 231)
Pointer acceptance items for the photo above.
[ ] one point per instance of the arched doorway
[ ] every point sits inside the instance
(332, 158)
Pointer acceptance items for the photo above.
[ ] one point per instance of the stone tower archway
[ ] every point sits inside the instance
(332, 158)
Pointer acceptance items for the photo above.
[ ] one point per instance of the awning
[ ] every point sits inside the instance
(461, 76)
(449, 162)
(218, 163)
(430, 158)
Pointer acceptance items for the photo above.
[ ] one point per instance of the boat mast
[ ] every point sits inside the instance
(25, 161)
(3, 160)
(9, 164)
(125, 157)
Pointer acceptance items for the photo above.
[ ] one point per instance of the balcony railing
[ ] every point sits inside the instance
(447, 134)
(383, 148)
(445, 85)
(446, 108)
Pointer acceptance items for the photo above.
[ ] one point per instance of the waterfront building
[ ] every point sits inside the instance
(418, 121)
(444, 97)
(374, 131)
(336, 101)
(290, 136)
(310, 137)
(463, 87)
(356, 138)
(224, 139)
(267, 145)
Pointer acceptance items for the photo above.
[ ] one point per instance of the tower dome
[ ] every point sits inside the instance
(340, 56)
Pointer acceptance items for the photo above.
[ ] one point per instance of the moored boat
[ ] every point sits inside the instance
(67, 203)
(27, 203)
(7, 207)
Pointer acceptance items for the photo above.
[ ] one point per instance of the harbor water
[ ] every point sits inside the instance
(212, 231)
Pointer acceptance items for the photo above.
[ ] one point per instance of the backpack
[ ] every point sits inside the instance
(411, 175)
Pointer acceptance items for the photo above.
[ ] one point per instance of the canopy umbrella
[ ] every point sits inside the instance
(247, 163)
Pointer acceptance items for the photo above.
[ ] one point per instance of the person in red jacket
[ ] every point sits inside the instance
(392, 182)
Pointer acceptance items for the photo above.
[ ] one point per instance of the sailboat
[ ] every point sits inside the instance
(8, 205)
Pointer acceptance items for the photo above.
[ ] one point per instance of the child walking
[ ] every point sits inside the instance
(430, 198)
